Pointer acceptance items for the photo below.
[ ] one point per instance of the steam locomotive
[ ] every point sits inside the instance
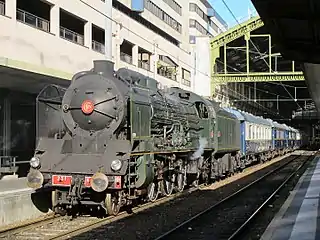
(113, 138)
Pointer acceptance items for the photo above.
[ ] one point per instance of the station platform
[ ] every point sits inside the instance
(299, 217)
(19, 203)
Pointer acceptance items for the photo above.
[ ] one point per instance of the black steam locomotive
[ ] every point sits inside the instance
(113, 138)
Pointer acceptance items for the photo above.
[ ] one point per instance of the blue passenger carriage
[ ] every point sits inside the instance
(258, 138)
(255, 138)
(292, 138)
(278, 138)
(297, 139)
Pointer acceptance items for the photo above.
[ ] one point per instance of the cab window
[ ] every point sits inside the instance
(202, 110)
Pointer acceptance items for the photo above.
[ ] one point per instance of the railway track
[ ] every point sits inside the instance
(208, 223)
(58, 227)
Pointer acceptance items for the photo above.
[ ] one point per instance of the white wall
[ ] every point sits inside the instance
(202, 79)
(25, 43)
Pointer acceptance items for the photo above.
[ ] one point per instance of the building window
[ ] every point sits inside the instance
(154, 9)
(192, 7)
(195, 24)
(192, 23)
(174, 5)
(192, 39)
(2, 8)
(186, 77)
(167, 68)
(195, 8)
(137, 17)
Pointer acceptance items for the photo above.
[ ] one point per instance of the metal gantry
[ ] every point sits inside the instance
(245, 30)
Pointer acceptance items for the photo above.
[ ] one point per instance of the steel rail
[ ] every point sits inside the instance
(183, 224)
(45, 221)
(260, 208)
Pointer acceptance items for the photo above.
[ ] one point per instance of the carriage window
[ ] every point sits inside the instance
(202, 110)
(250, 131)
(253, 131)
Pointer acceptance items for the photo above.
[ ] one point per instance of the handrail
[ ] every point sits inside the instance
(71, 35)
(33, 20)
(97, 46)
(166, 74)
(143, 65)
(125, 57)
(8, 164)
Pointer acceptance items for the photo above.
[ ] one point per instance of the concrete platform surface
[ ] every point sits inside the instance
(298, 219)
(13, 184)
(19, 203)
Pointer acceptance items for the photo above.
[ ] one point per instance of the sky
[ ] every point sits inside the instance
(238, 7)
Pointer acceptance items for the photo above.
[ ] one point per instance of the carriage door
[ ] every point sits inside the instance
(203, 113)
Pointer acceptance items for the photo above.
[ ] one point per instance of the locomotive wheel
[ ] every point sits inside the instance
(168, 183)
(153, 191)
(56, 209)
(180, 180)
(113, 203)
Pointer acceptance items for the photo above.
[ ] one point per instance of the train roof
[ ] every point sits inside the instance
(224, 112)
(294, 130)
(244, 116)
(286, 127)
(255, 119)
(239, 116)
(276, 124)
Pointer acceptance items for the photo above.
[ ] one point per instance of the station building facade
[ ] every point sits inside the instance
(48, 41)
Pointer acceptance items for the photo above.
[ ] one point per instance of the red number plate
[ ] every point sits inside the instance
(87, 181)
(61, 180)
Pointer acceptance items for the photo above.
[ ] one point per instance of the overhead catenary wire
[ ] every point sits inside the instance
(150, 42)
(258, 51)
(159, 48)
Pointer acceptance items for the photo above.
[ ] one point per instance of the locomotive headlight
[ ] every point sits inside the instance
(35, 162)
(99, 182)
(116, 165)
(34, 179)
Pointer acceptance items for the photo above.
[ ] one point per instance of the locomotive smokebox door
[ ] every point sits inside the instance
(93, 103)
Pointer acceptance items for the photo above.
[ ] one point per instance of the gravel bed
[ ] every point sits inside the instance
(223, 221)
(263, 219)
(152, 222)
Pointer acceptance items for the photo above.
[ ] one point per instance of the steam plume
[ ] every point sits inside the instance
(202, 144)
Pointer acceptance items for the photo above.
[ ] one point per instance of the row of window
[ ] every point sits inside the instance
(195, 8)
(195, 24)
(162, 72)
(136, 16)
(292, 135)
(279, 134)
(44, 25)
(174, 5)
(254, 132)
(154, 9)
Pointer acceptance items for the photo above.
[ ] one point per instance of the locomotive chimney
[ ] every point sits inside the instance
(104, 66)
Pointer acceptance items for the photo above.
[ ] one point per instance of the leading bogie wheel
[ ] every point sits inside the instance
(113, 203)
